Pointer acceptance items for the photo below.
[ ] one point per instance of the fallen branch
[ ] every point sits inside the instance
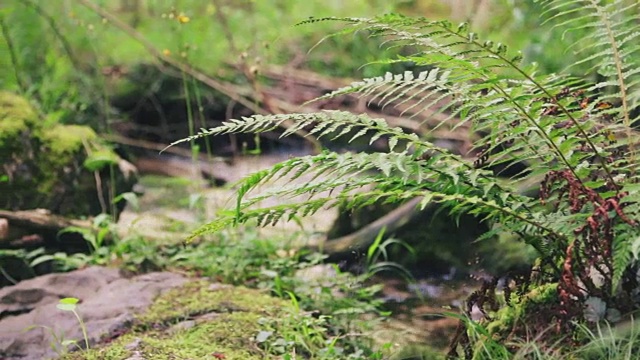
(40, 219)
(31, 228)
(363, 238)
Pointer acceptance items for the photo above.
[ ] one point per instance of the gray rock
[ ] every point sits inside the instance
(182, 326)
(108, 302)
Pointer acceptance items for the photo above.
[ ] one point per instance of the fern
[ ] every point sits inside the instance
(611, 46)
(576, 138)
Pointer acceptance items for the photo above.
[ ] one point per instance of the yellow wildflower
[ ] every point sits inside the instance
(610, 136)
(166, 52)
(183, 19)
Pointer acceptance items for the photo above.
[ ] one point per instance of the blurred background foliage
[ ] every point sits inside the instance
(63, 55)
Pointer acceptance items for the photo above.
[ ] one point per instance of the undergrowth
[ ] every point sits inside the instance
(578, 140)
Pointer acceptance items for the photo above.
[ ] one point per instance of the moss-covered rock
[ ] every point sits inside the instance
(203, 321)
(48, 165)
(527, 317)
(16, 118)
(523, 312)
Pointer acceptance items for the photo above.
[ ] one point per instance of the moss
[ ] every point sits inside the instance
(64, 144)
(46, 165)
(63, 141)
(509, 316)
(228, 334)
(64, 149)
(17, 117)
(528, 316)
(517, 314)
(198, 298)
(226, 320)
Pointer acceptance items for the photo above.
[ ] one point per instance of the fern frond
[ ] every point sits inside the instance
(467, 85)
(622, 255)
(611, 44)
(563, 129)
(361, 179)
(330, 123)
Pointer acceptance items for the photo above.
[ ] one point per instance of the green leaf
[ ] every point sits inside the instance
(393, 141)
(67, 304)
(376, 243)
(98, 160)
(131, 198)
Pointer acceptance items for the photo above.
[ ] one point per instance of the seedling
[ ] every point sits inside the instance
(70, 304)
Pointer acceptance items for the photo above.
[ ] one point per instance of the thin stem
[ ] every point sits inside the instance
(12, 55)
(103, 205)
(187, 99)
(201, 117)
(620, 76)
(112, 192)
(83, 327)
(7, 276)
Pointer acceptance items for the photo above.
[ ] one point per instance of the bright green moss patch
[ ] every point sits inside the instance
(228, 334)
(196, 321)
(65, 140)
(16, 118)
(533, 312)
(49, 166)
(507, 317)
(201, 297)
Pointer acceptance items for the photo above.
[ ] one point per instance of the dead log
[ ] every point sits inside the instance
(30, 228)
(363, 238)
(41, 219)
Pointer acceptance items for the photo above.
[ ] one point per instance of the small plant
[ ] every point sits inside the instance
(70, 304)
(310, 336)
(59, 343)
(378, 261)
(609, 343)
(103, 228)
(62, 261)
